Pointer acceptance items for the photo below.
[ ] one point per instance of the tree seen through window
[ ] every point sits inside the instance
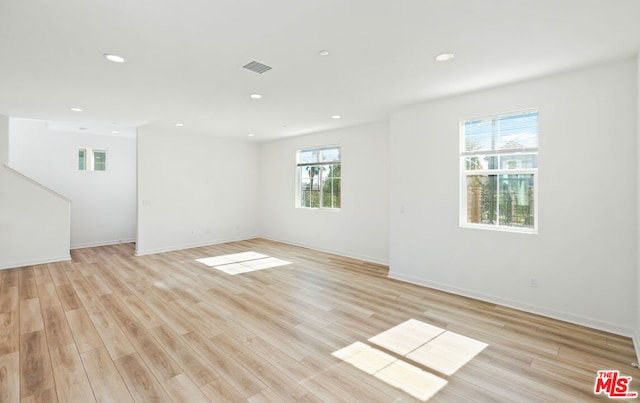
(319, 178)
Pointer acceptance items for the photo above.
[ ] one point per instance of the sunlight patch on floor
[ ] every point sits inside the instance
(233, 258)
(448, 352)
(244, 262)
(399, 374)
(407, 336)
(418, 343)
(431, 346)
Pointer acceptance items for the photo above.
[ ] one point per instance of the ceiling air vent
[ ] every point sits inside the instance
(257, 67)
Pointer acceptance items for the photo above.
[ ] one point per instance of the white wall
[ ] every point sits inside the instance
(34, 221)
(584, 257)
(103, 202)
(361, 227)
(195, 190)
(636, 337)
(4, 140)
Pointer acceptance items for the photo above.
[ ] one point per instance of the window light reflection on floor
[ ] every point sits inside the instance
(447, 353)
(418, 343)
(244, 262)
(402, 375)
(407, 336)
(431, 346)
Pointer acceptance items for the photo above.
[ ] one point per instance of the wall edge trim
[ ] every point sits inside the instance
(102, 243)
(365, 258)
(172, 248)
(33, 262)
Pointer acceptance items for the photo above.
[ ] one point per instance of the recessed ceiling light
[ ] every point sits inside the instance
(114, 58)
(115, 132)
(179, 124)
(443, 57)
(250, 134)
(324, 53)
(75, 109)
(255, 96)
(82, 128)
(336, 117)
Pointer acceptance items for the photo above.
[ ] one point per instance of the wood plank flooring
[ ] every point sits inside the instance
(112, 327)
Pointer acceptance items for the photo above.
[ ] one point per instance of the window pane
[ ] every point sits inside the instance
(330, 154)
(99, 160)
(482, 199)
(305, 187)
(480, 162)
(331, 193)
(516, 200)
(308, 156)
(310, 186)
(519, 161)
(82, 164)
(314, 199)
(304, 174)
(314, 172)
(501, 133)
(334, 171)
(478, 135)
(518, 131)
(331, 186)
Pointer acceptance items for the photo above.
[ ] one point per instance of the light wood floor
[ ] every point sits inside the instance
(109, 326)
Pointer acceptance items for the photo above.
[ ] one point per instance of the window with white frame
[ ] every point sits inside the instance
(318, 178)
(92, 159)
(499, 166)
(82, 159)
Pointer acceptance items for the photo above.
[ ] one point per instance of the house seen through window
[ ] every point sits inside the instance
(499, 165)
(318, 178)
(92, 159)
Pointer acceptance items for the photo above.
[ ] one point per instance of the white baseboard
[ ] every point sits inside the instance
(101, 243)
(365, 258)
(173, 248)
(550, 313)
(33, 262)
(220, 241)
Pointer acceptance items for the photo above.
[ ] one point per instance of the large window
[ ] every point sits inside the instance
(499, 165)
(318, 178)
(92, 160)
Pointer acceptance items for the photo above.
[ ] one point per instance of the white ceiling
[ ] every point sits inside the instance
(185, 58)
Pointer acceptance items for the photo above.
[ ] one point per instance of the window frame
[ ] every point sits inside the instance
(89, 159)
(82, 160)
(498, 172)
(298, 176)
(93, 159)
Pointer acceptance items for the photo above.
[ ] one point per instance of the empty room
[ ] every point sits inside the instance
(322, 201)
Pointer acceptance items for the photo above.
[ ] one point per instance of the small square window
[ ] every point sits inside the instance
(92, 160)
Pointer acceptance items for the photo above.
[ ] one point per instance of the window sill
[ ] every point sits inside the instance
(530, 231)
(332, 210)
